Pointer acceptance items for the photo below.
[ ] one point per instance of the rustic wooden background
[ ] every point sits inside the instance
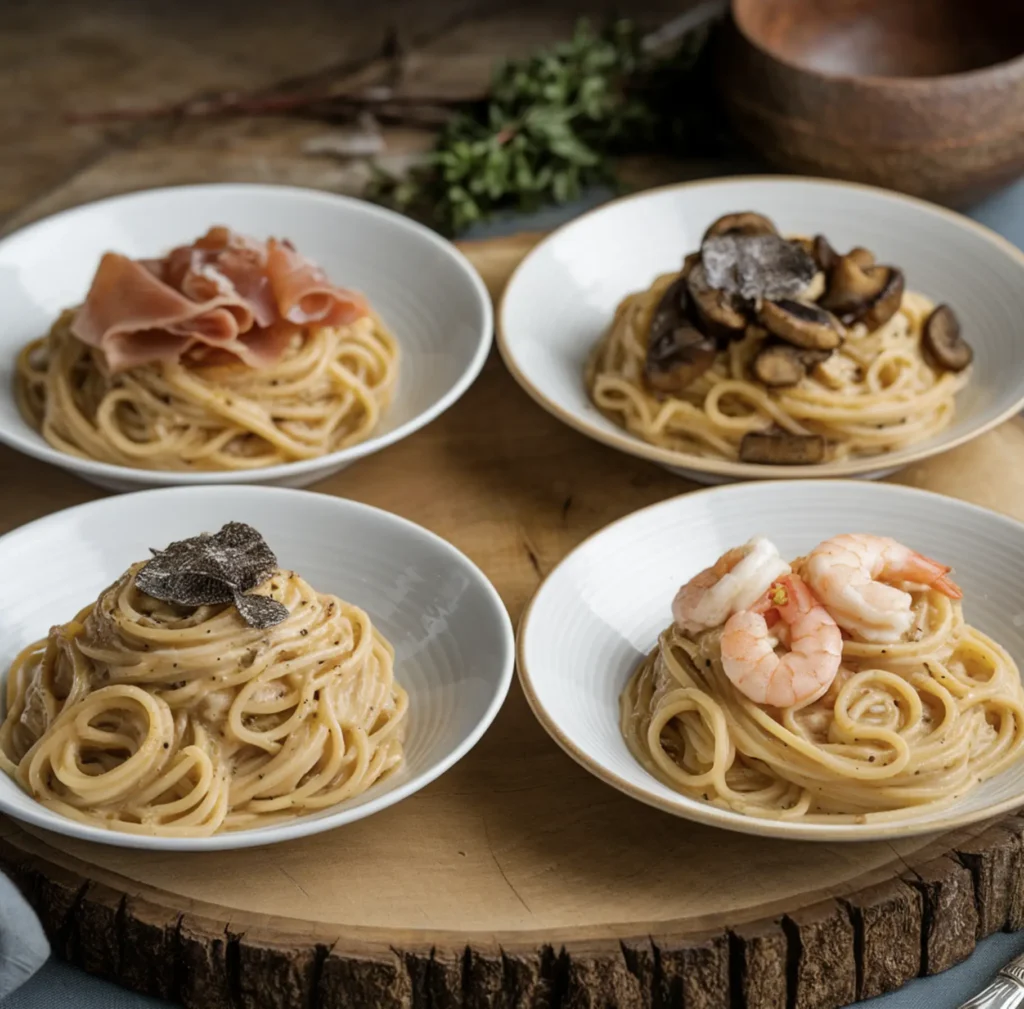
(72, 56)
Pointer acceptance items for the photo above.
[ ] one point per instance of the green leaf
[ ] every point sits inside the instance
(552, 123)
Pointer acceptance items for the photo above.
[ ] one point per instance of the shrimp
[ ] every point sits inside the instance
(798, 676)
(849, 573)
(738, 578)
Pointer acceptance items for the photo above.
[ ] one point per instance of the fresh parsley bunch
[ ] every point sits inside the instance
(547, 129)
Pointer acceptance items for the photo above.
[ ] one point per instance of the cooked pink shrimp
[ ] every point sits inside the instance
(849, 574)
(738, 578)
(798, 676)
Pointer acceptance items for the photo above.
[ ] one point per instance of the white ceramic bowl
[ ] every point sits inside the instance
(601, 610)
(422, 286)
(452, 635)
(563, 295)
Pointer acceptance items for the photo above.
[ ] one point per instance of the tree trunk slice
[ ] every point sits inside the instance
(517, 880)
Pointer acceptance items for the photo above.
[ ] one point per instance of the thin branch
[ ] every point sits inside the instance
(295, 95)
(380, 100)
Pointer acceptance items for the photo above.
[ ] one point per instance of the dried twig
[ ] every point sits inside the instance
(311, 95)
(382, 101)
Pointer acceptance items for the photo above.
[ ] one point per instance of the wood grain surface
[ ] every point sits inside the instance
(66, 57)
(517, 880)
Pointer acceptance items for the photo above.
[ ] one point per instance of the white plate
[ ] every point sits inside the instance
(563, 295)
(452, 635)
(423, 287)
(601, 610)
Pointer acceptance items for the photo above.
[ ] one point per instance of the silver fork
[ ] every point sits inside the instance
(1005, 992)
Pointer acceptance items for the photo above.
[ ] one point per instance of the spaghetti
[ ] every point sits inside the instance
(913, 724)
(326, 392)
(878, 391)
(149, 718)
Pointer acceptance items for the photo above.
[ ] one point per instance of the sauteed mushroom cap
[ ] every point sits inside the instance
(744, 223)
(863, 293)
(801, 324)
(779, 365)
(677, 352)
(780, 448)
(677, 358)
(942, 343)
(824, 255)
(719, 313)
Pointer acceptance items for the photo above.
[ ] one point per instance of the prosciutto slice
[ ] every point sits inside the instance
(225, 292)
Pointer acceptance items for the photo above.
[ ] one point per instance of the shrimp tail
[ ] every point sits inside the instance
(935, 575)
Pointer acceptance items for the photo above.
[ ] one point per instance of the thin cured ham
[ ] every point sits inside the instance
(225, 292)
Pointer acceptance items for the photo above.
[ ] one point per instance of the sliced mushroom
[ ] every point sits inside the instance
(719, 313)
(850, 289)
(824, 255)
(780, 448)
(678, 357)
(888, 302)
(868, 294)
(689, 263)
(943, 345)
(671, 312)
(744, 223)
(862, 257)
(801, 324)
(779, 365)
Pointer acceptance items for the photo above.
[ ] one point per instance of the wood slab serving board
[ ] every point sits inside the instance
(517, 880)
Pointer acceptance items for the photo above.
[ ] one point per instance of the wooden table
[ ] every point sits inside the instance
(517, 880)
(525, 882)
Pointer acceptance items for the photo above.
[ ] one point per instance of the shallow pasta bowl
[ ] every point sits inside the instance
(424, 289)
(562, 297)
(601, 610)
(451, 632)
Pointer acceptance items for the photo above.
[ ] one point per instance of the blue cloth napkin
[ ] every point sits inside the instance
(23, 946)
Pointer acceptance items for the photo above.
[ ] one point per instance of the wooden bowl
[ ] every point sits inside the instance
(922, 96)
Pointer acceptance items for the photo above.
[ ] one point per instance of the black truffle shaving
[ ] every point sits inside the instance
(206, 570)
(757, 266)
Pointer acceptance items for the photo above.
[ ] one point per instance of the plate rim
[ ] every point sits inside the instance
(630, 444)
(712, 816)
(92, 468)
(39, 816)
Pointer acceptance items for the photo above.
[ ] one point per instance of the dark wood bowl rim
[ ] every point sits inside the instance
(919, 83)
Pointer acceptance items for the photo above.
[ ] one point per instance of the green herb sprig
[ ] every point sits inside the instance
(551, 124)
